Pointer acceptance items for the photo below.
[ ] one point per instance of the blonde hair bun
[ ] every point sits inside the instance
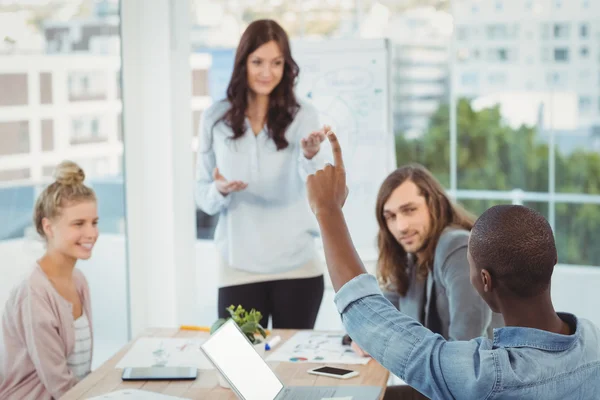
(69, 173)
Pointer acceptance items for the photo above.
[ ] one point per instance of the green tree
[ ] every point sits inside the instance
(493, 156)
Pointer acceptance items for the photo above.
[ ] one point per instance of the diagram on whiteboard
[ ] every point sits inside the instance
(350, 91)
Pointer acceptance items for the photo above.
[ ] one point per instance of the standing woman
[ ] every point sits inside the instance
(256, 149)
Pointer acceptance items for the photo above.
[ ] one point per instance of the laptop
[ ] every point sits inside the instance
(251, 378)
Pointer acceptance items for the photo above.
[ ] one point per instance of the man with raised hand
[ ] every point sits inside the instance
(540, 354)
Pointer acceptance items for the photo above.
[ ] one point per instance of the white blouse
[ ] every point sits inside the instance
(267, 228)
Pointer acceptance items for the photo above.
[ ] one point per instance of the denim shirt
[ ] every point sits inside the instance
(519, 363)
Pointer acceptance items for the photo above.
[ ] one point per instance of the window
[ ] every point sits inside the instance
(470, 79)
(585, 104)
(497, 31)
(502, 31)
(94, 128)
(77, 128)
(585, 78)
(47, 135)
(46, 88)
(584, 51)
(501, 55)
(497, 78)
(200, 82)
(561, 55)
(13, 175)
(561, 93)
(15, 137)
(88, 85)
(545, 31)
(47, 66)
(561, 31)
(14, 89)
(556, 79)
(462, 55)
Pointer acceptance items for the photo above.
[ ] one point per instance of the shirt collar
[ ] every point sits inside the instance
(513, 336)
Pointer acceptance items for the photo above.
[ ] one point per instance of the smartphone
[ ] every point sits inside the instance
(159, 374)
(332, 372)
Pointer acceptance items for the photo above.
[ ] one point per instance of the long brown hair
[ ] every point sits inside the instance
(393, 260)
(282, 101)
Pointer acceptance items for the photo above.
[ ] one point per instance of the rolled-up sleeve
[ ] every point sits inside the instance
(398, 342)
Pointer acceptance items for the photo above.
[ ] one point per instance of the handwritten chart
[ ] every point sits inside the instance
(315, 347)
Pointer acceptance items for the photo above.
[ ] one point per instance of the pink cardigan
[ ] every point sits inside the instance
(37, 337)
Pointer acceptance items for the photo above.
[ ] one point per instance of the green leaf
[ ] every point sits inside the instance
(231, 311)
(250, 327)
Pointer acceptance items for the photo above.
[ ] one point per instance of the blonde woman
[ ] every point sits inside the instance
(46, 336)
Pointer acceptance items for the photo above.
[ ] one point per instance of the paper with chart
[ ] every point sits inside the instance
(133, 394)
(317, 347)
(165, 352)
(347, 81)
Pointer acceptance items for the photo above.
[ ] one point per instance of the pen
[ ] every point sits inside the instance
(194, 328)
(272, 343)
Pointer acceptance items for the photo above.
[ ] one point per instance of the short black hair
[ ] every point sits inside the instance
(515, 244)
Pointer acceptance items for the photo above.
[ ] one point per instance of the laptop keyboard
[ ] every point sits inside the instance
(308, 393)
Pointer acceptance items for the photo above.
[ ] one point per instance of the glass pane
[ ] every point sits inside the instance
(541, 207)
(504, 103)
(421, 118)
(578, 161)
(59, 100)
(431, 147)
(478, 206)
(577, 231)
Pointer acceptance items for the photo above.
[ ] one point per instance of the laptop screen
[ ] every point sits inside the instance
(235, 357)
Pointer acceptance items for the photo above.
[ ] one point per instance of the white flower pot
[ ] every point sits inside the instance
(260, 349)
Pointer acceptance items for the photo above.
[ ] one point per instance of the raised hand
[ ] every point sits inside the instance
(312, 143)
(224, 186)
(327, 188)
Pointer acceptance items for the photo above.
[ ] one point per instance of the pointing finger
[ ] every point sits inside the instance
(338, 161)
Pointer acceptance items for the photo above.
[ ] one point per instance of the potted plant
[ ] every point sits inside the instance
(249, 323)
